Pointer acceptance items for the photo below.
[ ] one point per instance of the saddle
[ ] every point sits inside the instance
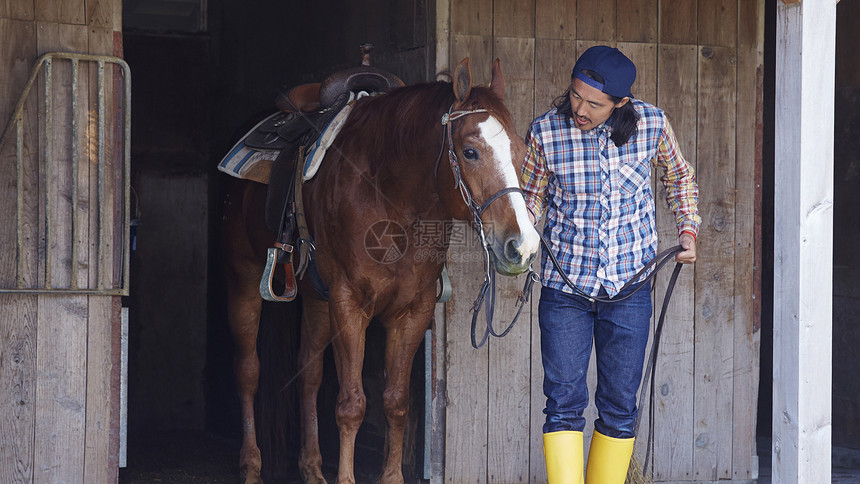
(305, 111)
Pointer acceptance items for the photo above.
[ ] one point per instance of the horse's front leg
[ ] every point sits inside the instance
(243, 306)
(403, 337)
(316, 335)
(349, 321)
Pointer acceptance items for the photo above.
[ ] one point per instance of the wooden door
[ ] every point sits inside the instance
(61, 252)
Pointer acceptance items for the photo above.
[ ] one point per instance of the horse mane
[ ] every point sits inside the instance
(407, 114)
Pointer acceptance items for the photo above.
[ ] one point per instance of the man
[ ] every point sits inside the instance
(589, 168)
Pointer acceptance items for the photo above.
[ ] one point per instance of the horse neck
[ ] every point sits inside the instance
(415, 164)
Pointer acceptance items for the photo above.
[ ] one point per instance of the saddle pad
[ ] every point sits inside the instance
(318, 149)
(249, 163)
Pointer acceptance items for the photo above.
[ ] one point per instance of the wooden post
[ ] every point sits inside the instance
(803, 240)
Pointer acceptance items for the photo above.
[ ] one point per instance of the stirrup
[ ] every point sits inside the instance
(283, 255)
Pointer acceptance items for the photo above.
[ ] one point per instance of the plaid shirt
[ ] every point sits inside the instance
(598, 197)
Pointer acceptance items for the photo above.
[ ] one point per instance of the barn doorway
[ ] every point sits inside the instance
(846, 286)
(201, 69)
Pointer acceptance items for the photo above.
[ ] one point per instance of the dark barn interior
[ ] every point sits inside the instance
(201, 70)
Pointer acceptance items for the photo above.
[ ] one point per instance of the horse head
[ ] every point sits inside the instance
(486, 155)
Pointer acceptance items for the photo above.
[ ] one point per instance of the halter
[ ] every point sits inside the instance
(476, 210)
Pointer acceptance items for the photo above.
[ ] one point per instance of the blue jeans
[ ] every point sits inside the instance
(619, 330)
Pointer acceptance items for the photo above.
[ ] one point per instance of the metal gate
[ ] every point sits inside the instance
(72, 212)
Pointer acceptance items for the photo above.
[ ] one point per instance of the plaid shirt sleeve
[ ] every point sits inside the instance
(534, 176)
(682, 191)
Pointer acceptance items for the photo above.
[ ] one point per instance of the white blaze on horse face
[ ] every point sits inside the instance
(497, 139)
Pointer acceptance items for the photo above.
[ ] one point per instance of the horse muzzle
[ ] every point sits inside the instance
(516, 254)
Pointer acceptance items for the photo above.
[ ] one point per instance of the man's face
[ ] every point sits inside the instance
(590, 106)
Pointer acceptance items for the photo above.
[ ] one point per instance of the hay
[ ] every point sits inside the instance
(635, 472)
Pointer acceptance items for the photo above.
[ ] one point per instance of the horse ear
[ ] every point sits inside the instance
(497, 82)
(462, 80)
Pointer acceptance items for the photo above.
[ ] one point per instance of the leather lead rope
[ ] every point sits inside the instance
(657, 263)
(650, 371)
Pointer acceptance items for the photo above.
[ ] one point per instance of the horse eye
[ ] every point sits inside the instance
(470, 154)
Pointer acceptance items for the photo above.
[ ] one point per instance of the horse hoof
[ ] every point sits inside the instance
(313, 478)
(392, 478)
(252, 478)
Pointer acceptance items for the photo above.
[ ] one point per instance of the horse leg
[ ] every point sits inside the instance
(244, 306)
(316, 333)
(403, 337)
(349, 321)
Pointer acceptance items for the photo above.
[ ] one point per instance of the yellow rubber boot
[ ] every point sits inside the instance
(608, 459)
(563, 454)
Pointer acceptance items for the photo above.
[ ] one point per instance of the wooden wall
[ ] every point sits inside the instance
(59, 371)
(701, 62)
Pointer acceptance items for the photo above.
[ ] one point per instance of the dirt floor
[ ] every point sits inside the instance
(181, 457)
(195, 457)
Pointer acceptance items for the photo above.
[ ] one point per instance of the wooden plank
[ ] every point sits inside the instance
(443, 37)
(101, 462)
(17, 56)
(104, 14)
(712, 454)
(644, 56)
(678, 22)
(466, 424)
(803, 242)
(673, 432)
(439, 396)
(110, 215)
(637, 20)
(718, 22)
(514, 18)
(595, 20)
(61, 355)
(17, 386)
(15, 10)
(61, 11)
(517, 58)
(555, 19)
(747, 334)
(59, 160)
(509, 419)
(537, 466)
(583, 45)
(477, 48)
(472, 17)
(509, 368)
(554, 60)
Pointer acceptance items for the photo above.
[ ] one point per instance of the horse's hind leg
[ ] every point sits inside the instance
(316, 334)
(244, 305)
(403, 337)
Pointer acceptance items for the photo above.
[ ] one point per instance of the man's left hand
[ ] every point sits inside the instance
(688, 242)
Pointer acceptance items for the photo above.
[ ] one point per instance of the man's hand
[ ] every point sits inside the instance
(688, 242)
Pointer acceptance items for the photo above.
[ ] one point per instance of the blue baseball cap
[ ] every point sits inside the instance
(618, 72)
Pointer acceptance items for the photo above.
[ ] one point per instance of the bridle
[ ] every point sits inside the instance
(476, 210)
(489, 284)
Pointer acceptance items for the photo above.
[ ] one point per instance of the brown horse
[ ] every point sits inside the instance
(386, 175)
